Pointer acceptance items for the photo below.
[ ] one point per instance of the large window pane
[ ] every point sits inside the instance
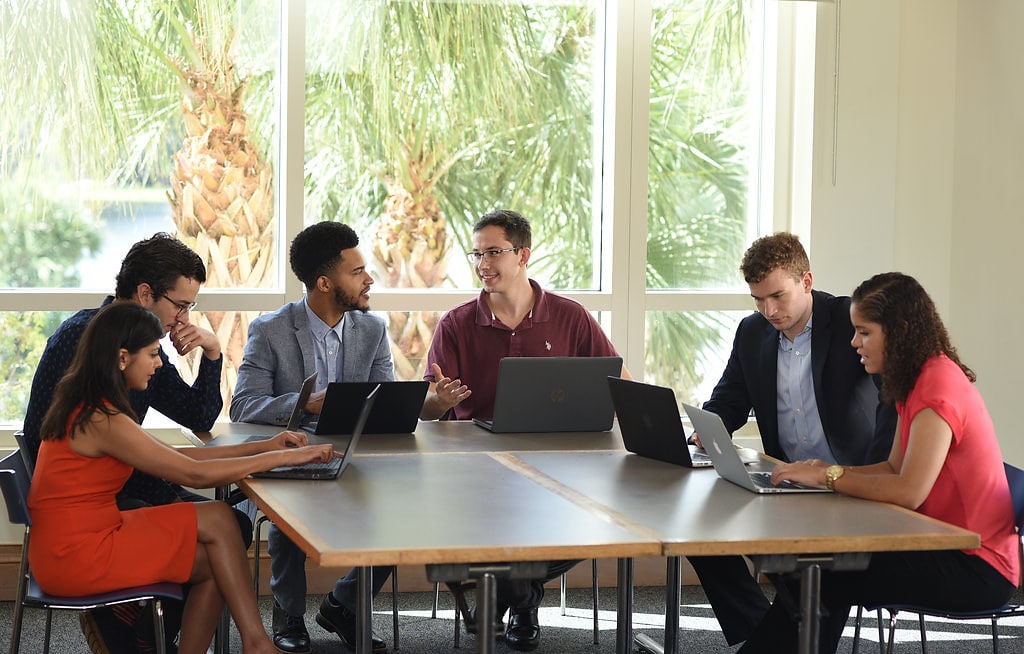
(428, 114)
(128, 117)
(705, 112)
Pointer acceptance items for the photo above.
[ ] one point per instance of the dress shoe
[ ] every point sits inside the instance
(290, 633)
(499, 623)
(339, 620)
(523, 633)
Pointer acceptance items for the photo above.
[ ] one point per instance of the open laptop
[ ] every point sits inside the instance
(397, 410)
(728, 464)
(650, 424)
(336, 466)
(540, 394)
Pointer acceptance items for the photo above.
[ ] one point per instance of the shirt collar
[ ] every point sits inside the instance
(318, 327)
(539, 312)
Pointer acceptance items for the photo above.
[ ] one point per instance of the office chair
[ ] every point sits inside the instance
(258, 528)
(14, 483)
(1015, 477)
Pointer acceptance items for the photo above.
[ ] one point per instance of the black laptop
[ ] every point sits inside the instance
(397, 409)
(540, 394)
(651, 425)
(333, 468)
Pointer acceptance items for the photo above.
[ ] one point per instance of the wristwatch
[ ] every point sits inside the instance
(832, 473)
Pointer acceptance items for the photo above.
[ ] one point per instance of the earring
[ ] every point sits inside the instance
(122, 366)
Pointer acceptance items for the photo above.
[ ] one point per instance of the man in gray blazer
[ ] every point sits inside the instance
(329, 331)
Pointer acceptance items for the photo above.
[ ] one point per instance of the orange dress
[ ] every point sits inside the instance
(83, 544)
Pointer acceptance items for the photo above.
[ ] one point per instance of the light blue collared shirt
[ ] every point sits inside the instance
(800, 432)
(327, 342)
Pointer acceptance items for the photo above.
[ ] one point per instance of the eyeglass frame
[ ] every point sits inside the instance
(183, 307)
(492, 254)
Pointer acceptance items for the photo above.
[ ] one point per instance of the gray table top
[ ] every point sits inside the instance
(455, 493)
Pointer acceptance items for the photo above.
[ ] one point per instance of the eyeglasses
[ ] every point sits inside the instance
(183, 307)
(490, 255)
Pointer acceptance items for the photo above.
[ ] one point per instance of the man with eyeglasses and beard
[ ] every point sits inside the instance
(329, 332)
(512, 316)
(163, 275)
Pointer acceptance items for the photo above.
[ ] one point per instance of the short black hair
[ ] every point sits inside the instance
(158, 261)
(317, 249)
(517, 228)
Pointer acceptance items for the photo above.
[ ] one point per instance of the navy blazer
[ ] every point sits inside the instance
(279, 354)
(858, 426)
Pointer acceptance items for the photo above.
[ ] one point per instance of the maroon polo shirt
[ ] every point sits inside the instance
(469, 342)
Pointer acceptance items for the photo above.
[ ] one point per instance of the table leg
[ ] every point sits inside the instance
(364, 607)
(810, 609)
(486, 601)
(673, 581)
(624, 614)
(222, 638)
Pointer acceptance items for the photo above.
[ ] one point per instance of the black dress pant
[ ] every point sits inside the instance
(944, 580)
(734, 594)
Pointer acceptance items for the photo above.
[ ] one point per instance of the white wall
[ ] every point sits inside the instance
(928, 166)
(987, 199)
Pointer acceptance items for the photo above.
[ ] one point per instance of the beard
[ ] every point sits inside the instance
(348, 302)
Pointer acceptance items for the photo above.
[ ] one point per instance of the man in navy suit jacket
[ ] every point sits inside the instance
(330, 332)
(793, 365)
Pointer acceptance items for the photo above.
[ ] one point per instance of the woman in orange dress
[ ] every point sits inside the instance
(81, 543)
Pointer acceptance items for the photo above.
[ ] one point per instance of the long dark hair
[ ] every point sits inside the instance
(913, 330)
(94, 381)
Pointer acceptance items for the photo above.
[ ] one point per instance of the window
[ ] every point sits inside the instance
(423, 117)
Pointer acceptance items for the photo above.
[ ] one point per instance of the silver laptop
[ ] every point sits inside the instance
(650, 424)
(542, 394)
(728, 464)
(335, 467)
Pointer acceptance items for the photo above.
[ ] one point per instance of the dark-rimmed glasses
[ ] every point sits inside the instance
(183, 307)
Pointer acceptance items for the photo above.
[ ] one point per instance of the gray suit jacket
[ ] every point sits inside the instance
(279, 354)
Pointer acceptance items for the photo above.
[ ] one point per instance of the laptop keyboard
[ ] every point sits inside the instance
(762, 479)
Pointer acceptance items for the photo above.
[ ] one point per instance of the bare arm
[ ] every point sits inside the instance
(905, 480)
(120, 437)
(282, 440)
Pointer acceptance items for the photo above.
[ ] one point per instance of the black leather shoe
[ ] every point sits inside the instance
(339, 620)
(290, 633)
(499, 622)
(523, 633)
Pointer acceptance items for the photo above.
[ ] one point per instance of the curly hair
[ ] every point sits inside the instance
(517, 228)
(912, 327)
(769, 253)
(93, 382)
(317, 249)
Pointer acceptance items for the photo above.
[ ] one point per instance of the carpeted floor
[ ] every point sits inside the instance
(569, 634)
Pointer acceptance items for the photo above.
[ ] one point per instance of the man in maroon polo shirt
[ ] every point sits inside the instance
(513, 316)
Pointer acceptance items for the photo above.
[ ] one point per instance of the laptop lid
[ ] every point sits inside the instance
(295, 420)
(650, 423)
(336, 466)
(728, 464)
(540, 394)
(397, 408)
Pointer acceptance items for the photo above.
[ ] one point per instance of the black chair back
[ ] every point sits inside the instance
(14, 482)
(1015, 478)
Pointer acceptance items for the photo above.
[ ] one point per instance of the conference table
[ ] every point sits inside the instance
(454, 494)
